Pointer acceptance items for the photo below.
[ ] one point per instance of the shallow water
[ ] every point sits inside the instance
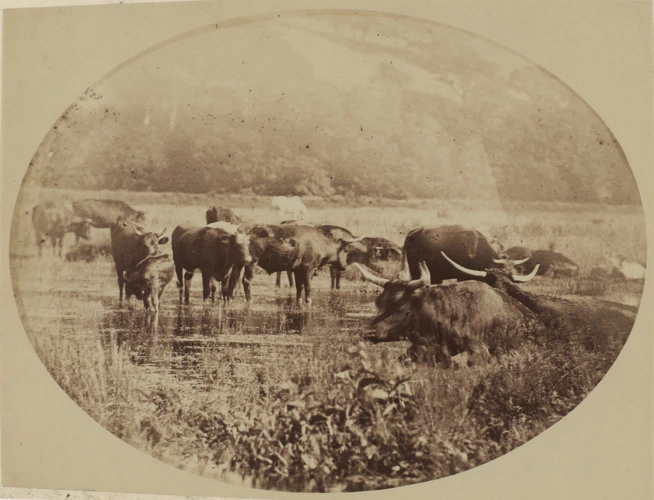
(80, 301)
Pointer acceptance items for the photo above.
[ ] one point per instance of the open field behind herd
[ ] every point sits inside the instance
(281, 396)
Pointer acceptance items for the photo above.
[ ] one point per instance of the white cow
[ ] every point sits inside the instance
(290, 207)
(627, 269)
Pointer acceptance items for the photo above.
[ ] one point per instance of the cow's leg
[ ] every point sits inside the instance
(224, 288)
(179, 270)
(147, 300)
(307, 275)
(234, 274)
(332, 275)
(290, 278)
(248, 276)
(53, 242)
(121, 283)
(213, 289)
(155, 293)
(299, 282)
(414, 270)
(206, 285)
(338, 279)
(278, 280)
(187, 287)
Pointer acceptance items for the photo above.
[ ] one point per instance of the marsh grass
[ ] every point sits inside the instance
(282, 405)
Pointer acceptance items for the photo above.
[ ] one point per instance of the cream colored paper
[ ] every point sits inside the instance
(600, 49)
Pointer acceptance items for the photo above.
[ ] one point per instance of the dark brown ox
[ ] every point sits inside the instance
(52, 221)
(551, 264)
(150, 277)
(211, 250)
(297, 248)
(129, 246)
(215, 214)
(356, 251)
(465, 245)
(592, 320)
(470, 318)
(104, 213)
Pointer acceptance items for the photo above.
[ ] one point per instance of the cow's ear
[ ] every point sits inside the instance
(163, 241)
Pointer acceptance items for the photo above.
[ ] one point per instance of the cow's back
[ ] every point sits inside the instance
(200, 247)
(467, 247)
(475, 313)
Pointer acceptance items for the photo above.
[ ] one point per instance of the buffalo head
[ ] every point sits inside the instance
(395, 304)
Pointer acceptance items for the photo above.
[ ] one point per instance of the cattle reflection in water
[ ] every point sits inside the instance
(191, 340)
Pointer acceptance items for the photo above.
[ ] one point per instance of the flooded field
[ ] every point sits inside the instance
(80, 301)
(252, 393)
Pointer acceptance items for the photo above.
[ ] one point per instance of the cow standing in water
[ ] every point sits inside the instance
(130, 246)
(211, 250)
(300, 249)
(52, 221)
(150, 277)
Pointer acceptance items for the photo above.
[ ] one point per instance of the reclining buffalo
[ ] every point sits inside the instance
(470, 318)
(588, 318)
(130, 245)
(53, 220)
(211, 250)
(300, 249)
(465, 245)
(551, 264)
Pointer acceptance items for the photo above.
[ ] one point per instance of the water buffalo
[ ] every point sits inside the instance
(104, 213)
(465, 245)
(441, 321)
(382, 249)
(129, 246)
(88, 252)
(290, 206)
(297, 248)
(551, 264)
(53, 221)
(591, 317)
(150, 277)
(211, 250)
(215, 214)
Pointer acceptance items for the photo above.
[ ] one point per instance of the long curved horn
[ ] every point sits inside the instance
(471, 272)
(371, 277)
(423, 280)
(161, 233)
(515, 262)
(523, 279)
(353, 240)
(136, 230)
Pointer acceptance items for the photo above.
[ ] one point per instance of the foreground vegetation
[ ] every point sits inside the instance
(349, 421)
(319, 410)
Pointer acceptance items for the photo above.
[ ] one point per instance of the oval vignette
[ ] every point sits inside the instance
(381, 124)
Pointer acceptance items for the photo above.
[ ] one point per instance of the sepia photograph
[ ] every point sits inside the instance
(327, 250)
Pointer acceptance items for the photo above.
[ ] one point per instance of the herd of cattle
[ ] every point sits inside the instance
(441, 318)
